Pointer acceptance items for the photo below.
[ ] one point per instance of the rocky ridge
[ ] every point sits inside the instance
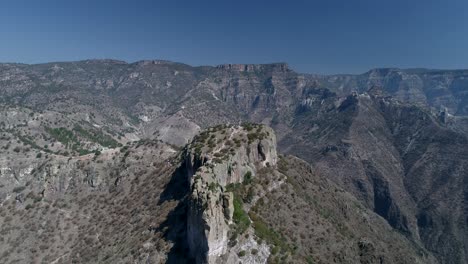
(220, 157)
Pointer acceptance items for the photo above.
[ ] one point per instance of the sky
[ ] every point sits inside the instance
(314, 36)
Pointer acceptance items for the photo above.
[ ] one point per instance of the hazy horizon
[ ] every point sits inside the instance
(214, 65)
(321, 37)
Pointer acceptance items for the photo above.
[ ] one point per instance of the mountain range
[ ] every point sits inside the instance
(105, 161)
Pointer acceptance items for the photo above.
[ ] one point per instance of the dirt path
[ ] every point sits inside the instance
(234, 131)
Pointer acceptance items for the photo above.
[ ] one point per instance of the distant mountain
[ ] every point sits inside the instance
(435, 88)
(393, 142)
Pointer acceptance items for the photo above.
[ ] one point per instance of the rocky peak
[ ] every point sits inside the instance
(218, 157)
(230, 151)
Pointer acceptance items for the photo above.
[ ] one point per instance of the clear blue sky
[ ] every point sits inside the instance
(315, 36)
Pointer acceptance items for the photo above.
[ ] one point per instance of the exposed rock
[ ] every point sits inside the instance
(228, 206)
(210, 170)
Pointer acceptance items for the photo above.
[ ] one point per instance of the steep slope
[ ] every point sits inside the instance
(399, 159)
(436, 88)
(107, 208)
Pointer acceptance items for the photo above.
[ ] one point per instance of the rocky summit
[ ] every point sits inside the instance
(104, 161)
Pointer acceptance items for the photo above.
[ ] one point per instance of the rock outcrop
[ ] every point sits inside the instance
(221, 156)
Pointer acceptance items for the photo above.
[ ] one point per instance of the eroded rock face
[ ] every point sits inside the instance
(210, 169)
(236, 155)
(207, 224)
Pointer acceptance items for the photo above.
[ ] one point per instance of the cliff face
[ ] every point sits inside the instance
(230, 152)
(401, 160)
(221, 156)
(425, 87)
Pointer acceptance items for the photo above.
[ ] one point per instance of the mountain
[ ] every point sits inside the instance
(399, 160)
(372, 166)
(436, 88)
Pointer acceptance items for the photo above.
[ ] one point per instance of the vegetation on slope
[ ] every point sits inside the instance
(73, 139)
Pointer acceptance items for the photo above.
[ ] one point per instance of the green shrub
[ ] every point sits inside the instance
(82, 152)
(249, 196)
(274, 250)
(19, 189)
(247, 178)
(263, 232)
(212, 186)
(96, 136)
(248, 126)
(233, 187)
(63, 135)
(240, 217)
(124, 149)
